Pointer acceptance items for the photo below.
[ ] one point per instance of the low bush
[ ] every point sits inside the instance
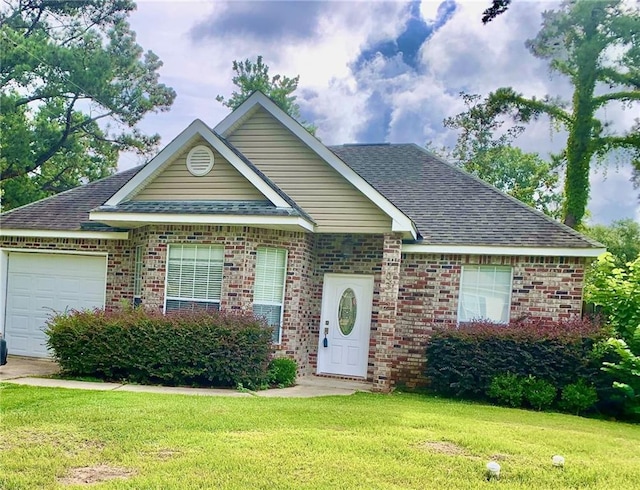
(507, 389)
(538, 393)
(463, 361)
(282, 372)
(184, 348)
(578, 397)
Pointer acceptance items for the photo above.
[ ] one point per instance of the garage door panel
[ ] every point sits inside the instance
(39, 285)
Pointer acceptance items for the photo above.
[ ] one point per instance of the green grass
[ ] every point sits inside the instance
(362, 441)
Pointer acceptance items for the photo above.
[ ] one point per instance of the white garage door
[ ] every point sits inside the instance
(39, 284)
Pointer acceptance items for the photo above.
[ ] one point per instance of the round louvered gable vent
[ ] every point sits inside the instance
(200, 160)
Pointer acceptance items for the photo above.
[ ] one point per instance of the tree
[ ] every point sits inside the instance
(596, 45)
(74, 84)
(254, 76)
(617, 291)
(622, 239)
(483, 152)
(498, 7)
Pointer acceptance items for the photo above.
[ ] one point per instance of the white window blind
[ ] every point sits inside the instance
(485, 293)
(269, 286)
(194, 277)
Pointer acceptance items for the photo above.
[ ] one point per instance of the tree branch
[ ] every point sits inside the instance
(505, 99)
(620, 96)
(613, 77)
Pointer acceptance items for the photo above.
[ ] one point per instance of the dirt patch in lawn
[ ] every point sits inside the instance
(88, 475)
(167, 453)
(499, 457)
(445, 447)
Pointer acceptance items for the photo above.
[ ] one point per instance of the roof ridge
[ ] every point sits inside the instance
(77, 188)
(513, 199)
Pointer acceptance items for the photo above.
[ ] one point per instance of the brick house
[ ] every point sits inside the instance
(352, 252)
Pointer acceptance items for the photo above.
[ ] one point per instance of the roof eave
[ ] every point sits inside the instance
(75, 234)
(421, 248)
(135, 220)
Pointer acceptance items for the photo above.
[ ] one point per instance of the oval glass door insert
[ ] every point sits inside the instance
(347, 311)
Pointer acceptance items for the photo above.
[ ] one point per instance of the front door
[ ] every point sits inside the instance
(345, 323)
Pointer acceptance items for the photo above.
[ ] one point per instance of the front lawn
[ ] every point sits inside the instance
(55, 437)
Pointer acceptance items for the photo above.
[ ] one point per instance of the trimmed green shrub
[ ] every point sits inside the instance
(540, 394)
(507, 389)
(462, 362)
(184, 348)
(283, 372)
(578, 397)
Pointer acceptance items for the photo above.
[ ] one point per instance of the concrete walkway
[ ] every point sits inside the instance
(26, 371)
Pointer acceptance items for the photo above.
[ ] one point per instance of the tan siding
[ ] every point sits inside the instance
(176, 183)
(333, 202)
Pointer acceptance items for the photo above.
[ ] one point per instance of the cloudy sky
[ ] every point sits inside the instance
(369, 71)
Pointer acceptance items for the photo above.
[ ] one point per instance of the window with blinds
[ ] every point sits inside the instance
(268, 294)
(194, 277)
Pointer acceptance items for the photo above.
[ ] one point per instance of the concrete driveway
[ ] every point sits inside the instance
(21, 367)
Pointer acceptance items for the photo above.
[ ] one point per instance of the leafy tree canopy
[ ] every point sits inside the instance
(596, 45)
(622, 239)
(254, 76)
(73, 86)
(484, 150)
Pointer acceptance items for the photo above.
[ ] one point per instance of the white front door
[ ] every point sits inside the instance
(345, 323)
(40, 284)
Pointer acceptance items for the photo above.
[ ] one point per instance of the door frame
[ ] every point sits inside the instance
(323, 311)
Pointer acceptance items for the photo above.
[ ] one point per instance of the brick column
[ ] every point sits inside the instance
(387, 307)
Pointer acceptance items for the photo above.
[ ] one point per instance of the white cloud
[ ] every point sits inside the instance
(462, 55)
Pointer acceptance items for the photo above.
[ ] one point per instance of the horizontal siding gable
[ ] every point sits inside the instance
(222, 183)
(334, 203)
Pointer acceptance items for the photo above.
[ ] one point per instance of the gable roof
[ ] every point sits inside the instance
(197, 128)
(400, 222)
(451, 207)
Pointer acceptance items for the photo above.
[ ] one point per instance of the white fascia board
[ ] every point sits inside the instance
(417, 248)
(401, 222)
(202, 219)
(197, 127)
(98, 235)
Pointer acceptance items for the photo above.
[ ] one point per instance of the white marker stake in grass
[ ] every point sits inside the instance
(493, 470)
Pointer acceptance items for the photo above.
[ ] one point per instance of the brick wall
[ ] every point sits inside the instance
(546, 288)
(240, 246)
(543, 287)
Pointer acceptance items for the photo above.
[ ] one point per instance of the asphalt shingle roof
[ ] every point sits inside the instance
(67, 210)
(253, 208)
(449, 206)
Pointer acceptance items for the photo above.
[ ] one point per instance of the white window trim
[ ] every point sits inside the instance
(284, 287)
(462, 282)
(166, 277)
(137, 272)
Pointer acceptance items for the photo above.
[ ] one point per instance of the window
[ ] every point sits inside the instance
(194, 277)
(137, 277)
(485, 293)
(268, 294)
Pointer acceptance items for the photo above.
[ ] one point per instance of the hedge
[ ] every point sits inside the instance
(463, 361)
(184, 348)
